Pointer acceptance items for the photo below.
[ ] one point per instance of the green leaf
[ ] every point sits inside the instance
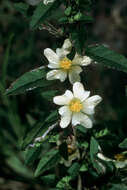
(53, 116)
(49, 94)
(118, 187)
(49, 179)
(6, 59)
(78, 37)
(107, 57)
(123, 144)
(94, 148)
(21, 7)
(32, 154)
(84, 168)
(42, 12)
(73, 171)
(102, 133)
(64, 183)
(49, 160)
(18, 166)
(29, 81)
(39, 126)
(81, 129)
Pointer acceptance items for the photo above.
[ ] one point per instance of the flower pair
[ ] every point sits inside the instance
(77, 106)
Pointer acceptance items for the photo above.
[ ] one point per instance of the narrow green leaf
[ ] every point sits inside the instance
(32, 155)
(78, 37)
(73, 171)
(123, 144)
(39, 126)
(21, 7)
(29, 81)
(107, 57)
(81, 129)
(49, 160)
(6, 58)
(94, 148)
(118, 187)
(18, 166)
(64, 183)
(49, 179)
(42, 12)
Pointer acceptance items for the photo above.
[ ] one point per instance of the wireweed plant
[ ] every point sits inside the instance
(71, 145)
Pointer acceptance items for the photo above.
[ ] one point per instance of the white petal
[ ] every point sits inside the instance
(86, 61)
(56, 74)
(69, 94)
(88, 109)
(67, 45)
(90, 103)
(93, 100)
(80, 118)
(76, 69)
(77, 59)
(64, 110)
(63, 99)
(65, 120)
(51, 56)
(65, 50)
(81, 60)
(74, 77)
(61, 53)
(53, 66)
(79, 91)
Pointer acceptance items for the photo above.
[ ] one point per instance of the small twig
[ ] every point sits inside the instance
(79, 186)
(39, 139)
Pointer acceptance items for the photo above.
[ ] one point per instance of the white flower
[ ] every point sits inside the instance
(77, 107)
(48, 1)
(119, 163)
(62, 66)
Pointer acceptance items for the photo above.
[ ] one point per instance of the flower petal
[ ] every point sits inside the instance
(79, 91)
(86, 61)
(65, 120)
(77, 59)
(81, 60)
(53, 66)
(67, 46)
(63, 99)
(65, 50)
(56, 74)
(88, 109)
(51, 56)
(80, 118)
(64, 110)
(93, 100)
(90, 103)
(74, 77)
(76, 69)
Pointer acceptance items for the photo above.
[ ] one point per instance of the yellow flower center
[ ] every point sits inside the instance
(65, 63)
(75, 105)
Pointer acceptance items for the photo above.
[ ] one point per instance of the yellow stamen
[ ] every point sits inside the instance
(75, 105)
(119, 157)
(65, 63)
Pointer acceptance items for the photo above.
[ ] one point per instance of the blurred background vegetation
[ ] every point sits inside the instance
(21, 50)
